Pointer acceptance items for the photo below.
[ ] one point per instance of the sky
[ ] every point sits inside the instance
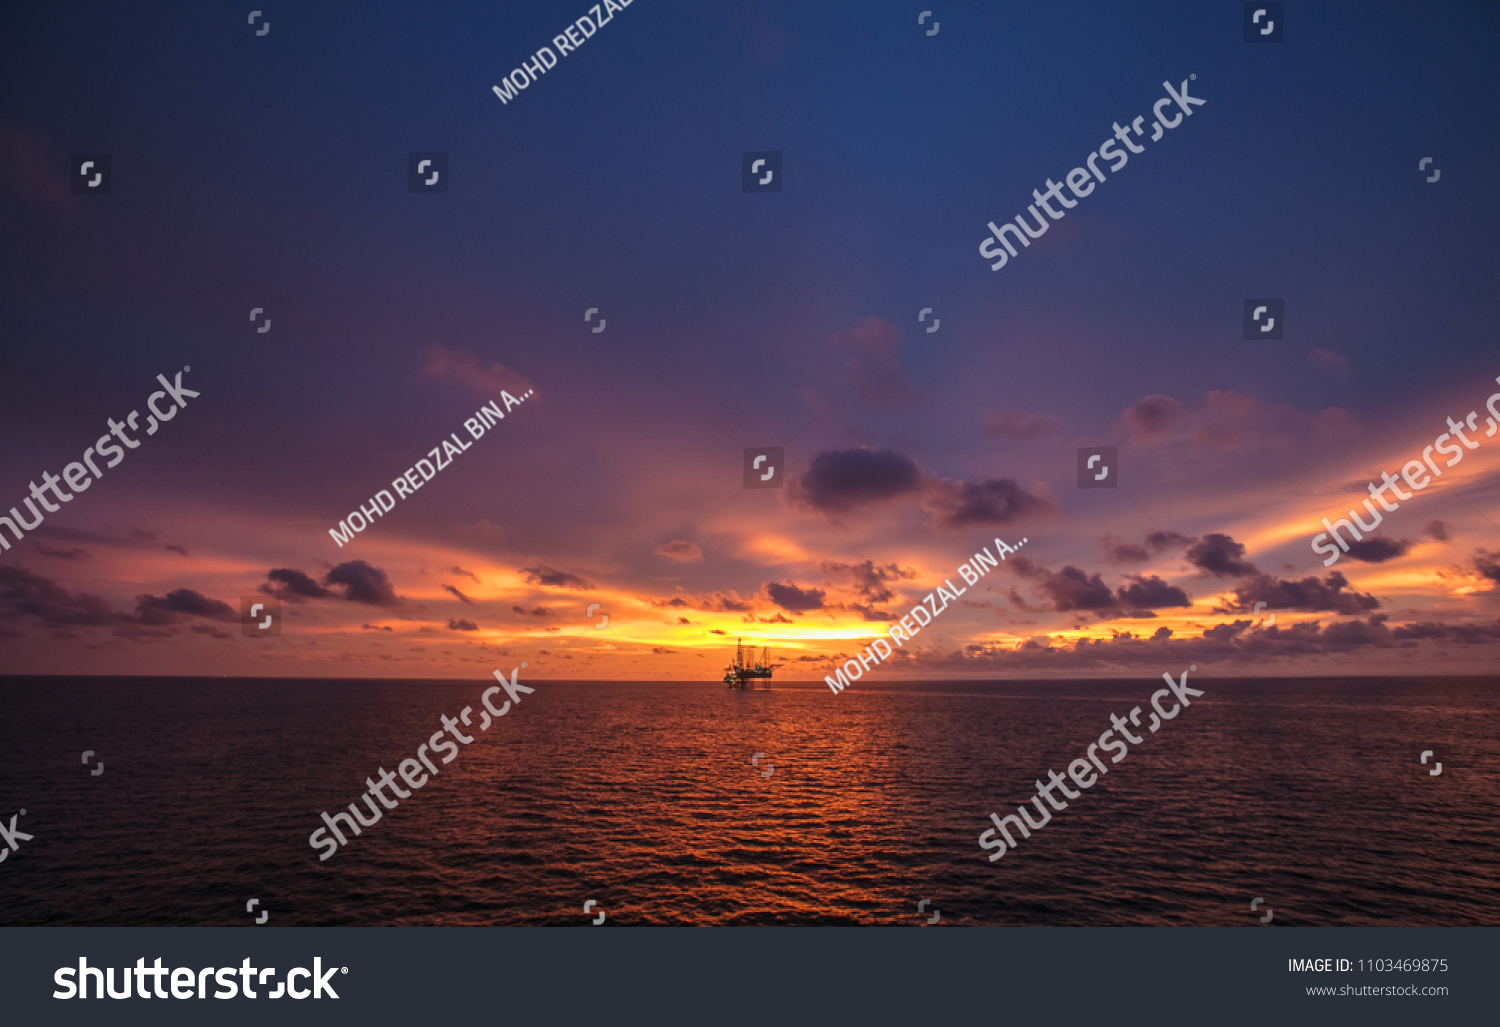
(270, 171)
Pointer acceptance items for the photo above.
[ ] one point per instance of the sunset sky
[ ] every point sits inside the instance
(271, 172)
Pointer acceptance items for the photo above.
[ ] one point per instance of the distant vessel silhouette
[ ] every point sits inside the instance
(742, 671)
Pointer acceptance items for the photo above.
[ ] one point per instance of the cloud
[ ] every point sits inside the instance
(682, 552)
(712, 602)
(180, 604)
(1150, 421)
(62, 554)
(1151, 593)
(371, 627)
(549, 577)
(26, 595)
(1437, 530)
(872, 581)
(1307, 594)
(790, 597)
(177, 549)
(460, 595)
(1465, 634)
(1485, 565)
(997, 501)
(540, 611)
(659, 651)
(30, 168)
(842, 480)
(872, 364)
(716, 631)
(462, 625)
(1327, 360)
(363, 584)
(1224, 644)
(1014, 424)
(1377, 549)
(444, 364)
(1219, 555)
(1117, 552)
(121, 538)
(469, 574)
(1069, 588)
(293, 585)
(1226, 422)
(1072, 589)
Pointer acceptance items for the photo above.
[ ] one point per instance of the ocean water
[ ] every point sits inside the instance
(642, 796)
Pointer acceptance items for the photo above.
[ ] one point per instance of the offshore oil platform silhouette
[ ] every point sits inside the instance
(742, 671)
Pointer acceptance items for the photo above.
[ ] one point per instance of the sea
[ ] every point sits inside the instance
(689, 803)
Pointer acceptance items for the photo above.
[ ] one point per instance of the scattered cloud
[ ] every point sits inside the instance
(1155, 542)
(682, 552)
(443, 364)
(62, 554)
(549, 577)
(1220, 555)
(363, 584)
(360, 582)
(872, 366)
(840, 481)
(293, 586)
(872, 581)
(1377, 549)
(1485, 565)
(1226, 422)
(1014, 424)
(797, 600)
(1152, 420)
(1335, 364)
(180, 604)
(995, 502)
(1332, 593)
(25, 596)
(1151, 593)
